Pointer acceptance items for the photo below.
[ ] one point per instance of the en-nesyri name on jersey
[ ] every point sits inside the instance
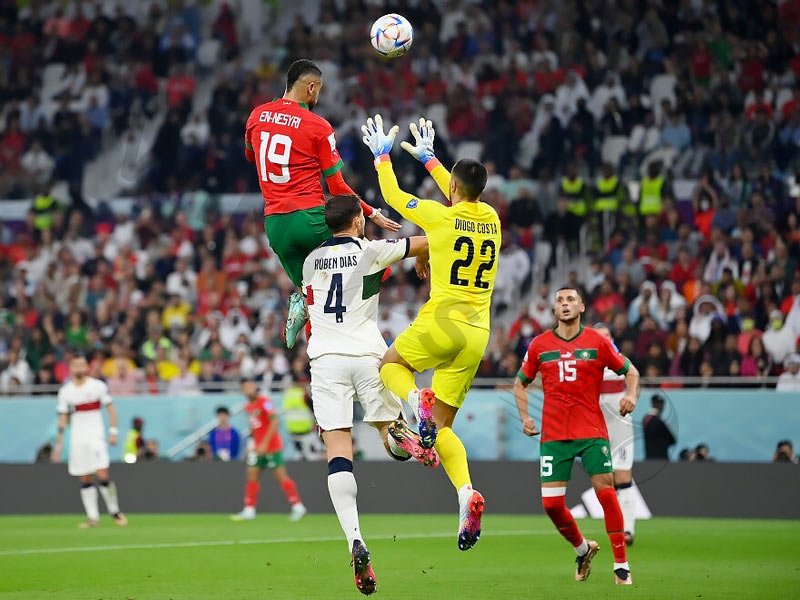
(341, 281)
(292, 145)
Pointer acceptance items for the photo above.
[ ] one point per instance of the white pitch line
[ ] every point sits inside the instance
(408, 536)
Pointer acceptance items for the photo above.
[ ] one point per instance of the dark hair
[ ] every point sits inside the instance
(299, 68)
(657, 400)
(569, 287)
(784, 443)
(223, 410)
(341, 210)
(471, 176)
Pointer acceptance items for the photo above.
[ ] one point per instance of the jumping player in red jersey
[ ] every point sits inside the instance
(290, 146)
(571, 360)
(267, 451)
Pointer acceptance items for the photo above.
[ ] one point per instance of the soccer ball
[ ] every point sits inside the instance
(391, 35)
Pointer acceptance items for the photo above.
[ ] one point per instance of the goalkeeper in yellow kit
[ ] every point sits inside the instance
(451, 330)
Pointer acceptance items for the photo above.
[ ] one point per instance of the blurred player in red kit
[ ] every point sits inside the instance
(267, 451)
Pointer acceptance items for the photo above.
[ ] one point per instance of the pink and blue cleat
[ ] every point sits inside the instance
(411, 442)
(470, 504)
(427, 426)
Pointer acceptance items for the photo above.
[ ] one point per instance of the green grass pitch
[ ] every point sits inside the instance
(208, 556)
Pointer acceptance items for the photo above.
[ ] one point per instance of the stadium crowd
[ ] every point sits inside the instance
(567, 102)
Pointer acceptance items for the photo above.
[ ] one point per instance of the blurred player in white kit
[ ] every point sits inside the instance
(620, 438)
(79, 402)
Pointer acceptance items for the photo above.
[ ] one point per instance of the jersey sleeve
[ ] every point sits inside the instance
(105, 397)
(269, 407)
(248, 142)
(420, 212)
(440, 175)
(530, 366)
(330, 162)
(62, 406)
(612, 358)
(386, 252)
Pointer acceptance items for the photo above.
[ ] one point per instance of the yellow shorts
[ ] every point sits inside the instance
(452, 348)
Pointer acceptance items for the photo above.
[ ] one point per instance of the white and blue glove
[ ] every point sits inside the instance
(423, 139)
(374, 137)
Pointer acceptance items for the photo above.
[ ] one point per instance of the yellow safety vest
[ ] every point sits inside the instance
(43, 211)
(299, 418)
(573, 190)
(607, 194)
(650, 198)
(131, 451)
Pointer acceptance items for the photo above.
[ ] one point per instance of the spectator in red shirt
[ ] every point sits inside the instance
(180, 88)
(608, 302)
(790, 106)
(759, 103)
(435, 89)
(701, 63)
(752, 70)
(683, 270)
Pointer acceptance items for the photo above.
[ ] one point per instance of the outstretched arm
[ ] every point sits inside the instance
(423, 152)
(338, 186)
(420, 212)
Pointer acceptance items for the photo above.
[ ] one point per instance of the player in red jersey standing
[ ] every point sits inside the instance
(267, 451)
(290, 146)
(571, 360)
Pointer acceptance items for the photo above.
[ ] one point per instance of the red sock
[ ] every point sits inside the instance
(290, 491)
(308, 330)
(614, 523)
(251, 493)
(556, 509)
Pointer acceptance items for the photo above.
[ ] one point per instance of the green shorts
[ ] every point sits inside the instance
(556, 458)
(270, 460)
(294, 235)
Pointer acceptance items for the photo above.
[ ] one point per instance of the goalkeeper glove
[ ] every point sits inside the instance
(374, 137)
(423, 138)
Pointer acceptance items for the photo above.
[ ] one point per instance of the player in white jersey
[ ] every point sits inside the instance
(80, 401)
(620, 437)
(341, 281)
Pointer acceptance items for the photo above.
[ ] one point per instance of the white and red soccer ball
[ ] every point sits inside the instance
(392, 35)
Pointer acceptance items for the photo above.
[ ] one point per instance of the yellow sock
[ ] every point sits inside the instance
(453, 456)
(398, 379)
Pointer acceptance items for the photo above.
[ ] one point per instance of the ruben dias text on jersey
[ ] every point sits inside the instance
(473, 227)
(335, 262)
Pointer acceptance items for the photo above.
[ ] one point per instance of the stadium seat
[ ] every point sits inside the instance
(613, 148)
(469, 150)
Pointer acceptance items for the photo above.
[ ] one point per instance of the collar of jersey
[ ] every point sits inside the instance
(302, 104)
(335, 241)
(580, 331)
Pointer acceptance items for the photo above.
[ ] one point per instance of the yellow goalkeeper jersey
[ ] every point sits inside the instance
(464, 242)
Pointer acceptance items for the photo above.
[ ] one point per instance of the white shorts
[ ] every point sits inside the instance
(337, 380)
(620, 432)
(86, 456)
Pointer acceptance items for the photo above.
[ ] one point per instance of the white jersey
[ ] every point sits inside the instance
(620, 429)
(341, 281)
(83, 404)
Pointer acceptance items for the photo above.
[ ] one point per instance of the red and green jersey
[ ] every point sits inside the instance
(572, 376)
(260, 413)
(291, 145)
